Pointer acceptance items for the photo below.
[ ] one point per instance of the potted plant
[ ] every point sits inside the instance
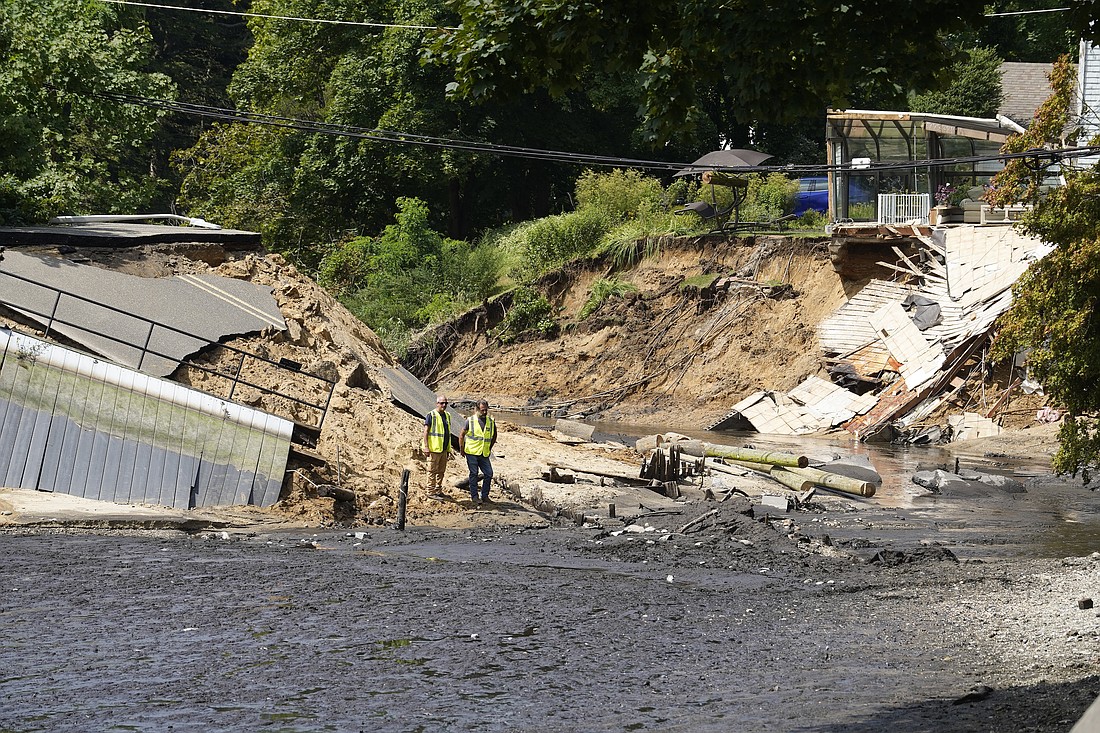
(947, 210)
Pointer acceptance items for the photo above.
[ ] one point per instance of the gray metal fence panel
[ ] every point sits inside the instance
(77, 425)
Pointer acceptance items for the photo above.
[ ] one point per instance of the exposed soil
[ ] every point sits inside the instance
(541, 612)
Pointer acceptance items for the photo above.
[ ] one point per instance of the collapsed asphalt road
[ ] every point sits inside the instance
(728, 626)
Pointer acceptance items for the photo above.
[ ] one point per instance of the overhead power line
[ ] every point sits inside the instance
(423, 27)
(1025, 12)
(1039, 156)
(282, 17)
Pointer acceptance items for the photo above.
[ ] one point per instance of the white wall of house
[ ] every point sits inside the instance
(1088, 104)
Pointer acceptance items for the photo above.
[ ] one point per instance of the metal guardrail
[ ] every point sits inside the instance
(283, 365)
(902, 208)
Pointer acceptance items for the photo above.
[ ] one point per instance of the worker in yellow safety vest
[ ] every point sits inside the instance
(476, 441)
(437, 444)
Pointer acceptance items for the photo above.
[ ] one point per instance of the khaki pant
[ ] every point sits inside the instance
(436, 469)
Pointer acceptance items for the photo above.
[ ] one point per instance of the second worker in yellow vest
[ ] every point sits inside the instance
(476, 441)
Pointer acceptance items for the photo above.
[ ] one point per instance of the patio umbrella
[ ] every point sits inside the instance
(737, 158)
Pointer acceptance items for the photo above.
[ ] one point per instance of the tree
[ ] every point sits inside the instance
(302, 186)
(1056, 312)
(1031, 37)
(66, 148)
(973, 88)
(775, 61)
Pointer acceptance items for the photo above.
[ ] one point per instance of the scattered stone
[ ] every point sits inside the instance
(1084, 603)
(771, 503)
(976, 694)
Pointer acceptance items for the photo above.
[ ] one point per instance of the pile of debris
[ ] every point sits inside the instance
(899, 350)
(681, 458)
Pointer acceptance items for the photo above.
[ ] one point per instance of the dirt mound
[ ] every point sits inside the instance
(365, 440)
(712, 320)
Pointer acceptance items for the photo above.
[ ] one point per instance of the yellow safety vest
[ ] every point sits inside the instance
(479, 440)
(439, 434)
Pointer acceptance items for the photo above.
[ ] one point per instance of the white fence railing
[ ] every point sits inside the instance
(902, 208)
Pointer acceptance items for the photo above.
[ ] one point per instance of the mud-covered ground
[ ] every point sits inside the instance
(730, 624)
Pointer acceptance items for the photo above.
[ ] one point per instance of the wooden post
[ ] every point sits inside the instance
(774, 458)
(402, 500)
(836, 482)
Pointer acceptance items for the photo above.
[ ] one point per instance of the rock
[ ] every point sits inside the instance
(1084, 603)
(1004, 483)
(949, 484)
(977, 693)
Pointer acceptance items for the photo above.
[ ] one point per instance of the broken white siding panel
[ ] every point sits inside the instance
(970, 425)
(776, 415)
(834, 403)
(848, 329)
(919, 359)
(983, 261)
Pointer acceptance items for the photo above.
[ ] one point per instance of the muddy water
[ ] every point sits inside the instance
(1055, 518)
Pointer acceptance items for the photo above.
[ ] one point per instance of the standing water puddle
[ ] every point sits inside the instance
(1055, 518)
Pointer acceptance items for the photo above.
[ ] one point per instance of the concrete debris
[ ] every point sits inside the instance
(856, 466)
(967, 483)
(769, 502)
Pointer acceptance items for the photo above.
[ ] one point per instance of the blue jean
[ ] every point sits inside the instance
(480, 464)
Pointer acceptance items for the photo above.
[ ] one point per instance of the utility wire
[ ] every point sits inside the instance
(428, 27)
(1025, 12)
(389, 136)
(282, 17)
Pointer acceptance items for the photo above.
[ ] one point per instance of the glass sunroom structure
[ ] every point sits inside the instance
(859, 138)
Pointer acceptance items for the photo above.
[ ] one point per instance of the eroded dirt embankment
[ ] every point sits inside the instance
(673, 352)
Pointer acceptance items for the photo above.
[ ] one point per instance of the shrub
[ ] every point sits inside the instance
(618, 195)
(603, 289)
(555, 240)
(347, 266)
(769, 197)
(531, 313)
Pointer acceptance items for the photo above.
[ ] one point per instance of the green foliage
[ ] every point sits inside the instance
(240, 176)
(973, 88)
(1029, 37)
(812, 220)
(348, 266)
(65, 149)
(601, 291)
(1056, 311)
(555, 240)
(529, 315)
(1020, 180)
(769, 197)
(684, 51)
(408, 277)
(618, 195)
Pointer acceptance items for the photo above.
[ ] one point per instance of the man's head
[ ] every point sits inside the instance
(482, 407)
(441, 402)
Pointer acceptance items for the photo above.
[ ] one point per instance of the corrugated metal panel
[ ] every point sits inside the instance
(110, 320)
(77, 425)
